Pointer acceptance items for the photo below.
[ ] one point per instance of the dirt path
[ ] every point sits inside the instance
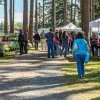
(32, 77)
(35, 77)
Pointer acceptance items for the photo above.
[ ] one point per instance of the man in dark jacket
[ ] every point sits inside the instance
(21, 41)
(50, 43)
(36, 40)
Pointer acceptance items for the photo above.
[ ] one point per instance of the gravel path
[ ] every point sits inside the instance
(33, 77)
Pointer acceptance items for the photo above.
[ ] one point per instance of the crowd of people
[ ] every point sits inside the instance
(61, 43)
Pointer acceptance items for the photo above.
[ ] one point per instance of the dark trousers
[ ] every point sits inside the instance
(21, 45)
(25, 47)
(93, 48)
(36, 44)
(64, 50)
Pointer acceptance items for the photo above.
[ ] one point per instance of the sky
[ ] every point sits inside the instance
(18, 11)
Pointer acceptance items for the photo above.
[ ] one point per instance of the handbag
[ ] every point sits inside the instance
(87, 57)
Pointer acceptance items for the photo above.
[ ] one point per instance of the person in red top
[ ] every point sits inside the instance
(56, 43)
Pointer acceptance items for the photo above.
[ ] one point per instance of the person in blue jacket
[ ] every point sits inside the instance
(80, 50)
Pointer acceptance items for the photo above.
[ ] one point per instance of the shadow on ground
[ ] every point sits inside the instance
(48, 85)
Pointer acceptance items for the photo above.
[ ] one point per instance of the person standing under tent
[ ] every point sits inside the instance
(60, 38)
(64, 49)
(93, 42)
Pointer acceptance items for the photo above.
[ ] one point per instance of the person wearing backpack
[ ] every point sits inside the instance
(80, 52)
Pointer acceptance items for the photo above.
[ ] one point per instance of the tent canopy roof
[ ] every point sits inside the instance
(70, 27)
(95, 25)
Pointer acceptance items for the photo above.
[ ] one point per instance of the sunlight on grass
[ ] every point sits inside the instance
(8, 57)
(86, 86)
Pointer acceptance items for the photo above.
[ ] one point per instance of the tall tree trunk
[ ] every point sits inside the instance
(71, 15)
(11, 16)
(93, 9)
(36, 17)
(25, 15)
(75, 13)
(54, 14)
(85, 16)
(30, 36)
(43, 13)
(65, 12)
(39, 15)
(5, 17)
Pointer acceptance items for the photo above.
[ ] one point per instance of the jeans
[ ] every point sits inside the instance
(80, 58)
(64, 50)
(93, 48)
(50, 45)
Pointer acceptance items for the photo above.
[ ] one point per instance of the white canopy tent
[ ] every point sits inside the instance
(70, 27)
(95, 26)
(45, 30)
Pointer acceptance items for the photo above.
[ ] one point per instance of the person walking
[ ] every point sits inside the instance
(21, 41)
(50, 43)
(64, 49)
(36, 40)
(80, 52)
(43, 40)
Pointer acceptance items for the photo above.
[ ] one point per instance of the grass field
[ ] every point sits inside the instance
(89, 87)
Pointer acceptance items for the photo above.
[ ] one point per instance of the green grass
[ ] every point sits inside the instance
(88, 86)
(8, 56)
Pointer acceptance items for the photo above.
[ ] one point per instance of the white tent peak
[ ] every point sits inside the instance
(70, 27)
(95, 25)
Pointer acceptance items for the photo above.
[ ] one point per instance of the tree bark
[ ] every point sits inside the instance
(11, 16)
(43, 13)
(36, 17)
(54, 14)
(71, 15)
(5, 17)
(85, 16)
(25, 15)
(75, 13)
(30, 36)
(65, 12)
